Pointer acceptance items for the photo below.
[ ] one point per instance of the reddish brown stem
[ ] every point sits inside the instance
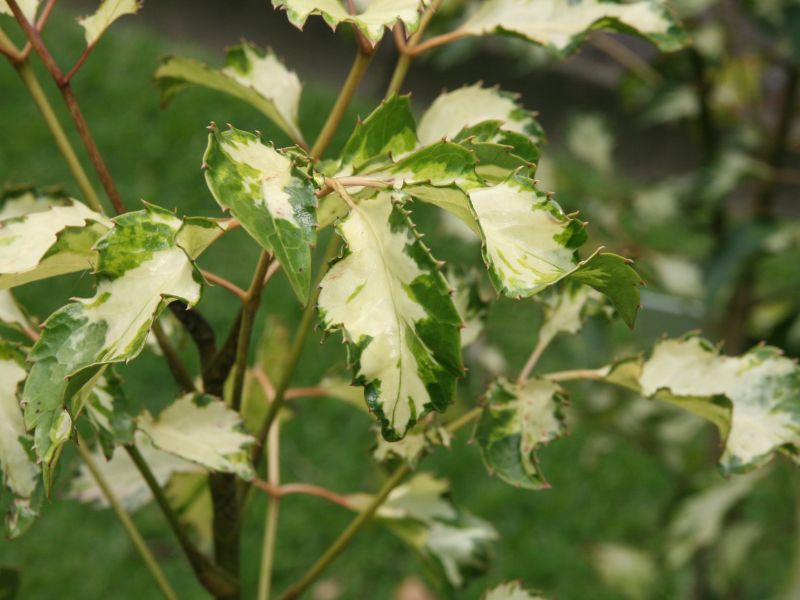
(46, 11)
(307, 489)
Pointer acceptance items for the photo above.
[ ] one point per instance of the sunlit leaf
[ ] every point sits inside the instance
(204, 430)
(393, 305)
(371, 18)
(250, 74)
(562, 25)
(109, 11)
(515, 422)
(272, 199)
(20, 473)
(142, 266)
(43, 236)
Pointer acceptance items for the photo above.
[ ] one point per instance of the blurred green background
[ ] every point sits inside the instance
(610, 482)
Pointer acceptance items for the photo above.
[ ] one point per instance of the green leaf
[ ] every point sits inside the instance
(394, 307)
(109, 11)
(45, 236)
(202, 429)
(453, 545)
(124, 477)
(141, 268)
(613, 276)
(455, 115)
(29, 8)
(511, 591)
(270, 196)
(760, 409)
(390, 130)
(562, 25)
(516, 421)
(699, 520)
(250, 74)
(20, 473)
(371, 20)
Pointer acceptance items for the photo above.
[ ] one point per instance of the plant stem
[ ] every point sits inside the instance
(176, 366)
(296, 351)
(249, 308)
(541, 346)
(305, 489)
(219, 583)
(126, 522)
(273, 506)
(72, 104)
(407, 52)
(626, 57)
(31, 83)
(593, 374)
(360, 65)
(338, 546)
(225, 284)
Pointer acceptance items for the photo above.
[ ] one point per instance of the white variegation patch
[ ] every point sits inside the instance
(19, 472)
(372, 17)
(560, 25)
(510, 591)
(109, 11)
(10, 312)
(453, 111)
(526, 237)
(762, 386)
(204, 430)
(370, 294)
(47, 242)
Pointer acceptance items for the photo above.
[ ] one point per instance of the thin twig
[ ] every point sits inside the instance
(360, 65)
(305, 489)
(225, 284)
(130, 528)
(176, 366)
(74, 108)
(273, 507)
(406, 49)
(435, 42)
(215, 580)
(625, 57)
(40, 23)
(541, 346)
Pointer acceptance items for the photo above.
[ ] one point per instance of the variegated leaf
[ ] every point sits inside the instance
(20, 473)
(699, 520)
(412, 447)
(471, 302)
(250, 74)
(753, 399)
(11, 314)
(202, 429)
(562, 25)
(108, 411)
(109, 11)
(190, 496)
(371, 17)
(512, 590)
(516, 421)
(530, 244)
(394, 308)
(142, 266)
(453, 545)
(29, 8)
(454, 112)
(124, 478)
(270, 196)
(567, 309)
(43, 236)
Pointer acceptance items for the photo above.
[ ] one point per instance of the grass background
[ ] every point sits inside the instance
(606, 486)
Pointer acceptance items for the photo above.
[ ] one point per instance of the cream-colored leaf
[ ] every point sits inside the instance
(395, 310)
(10, 312)
(29, 8)
(204, 430)
(19, 472)
(511, 591)
(628, 571)
(109, 11)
